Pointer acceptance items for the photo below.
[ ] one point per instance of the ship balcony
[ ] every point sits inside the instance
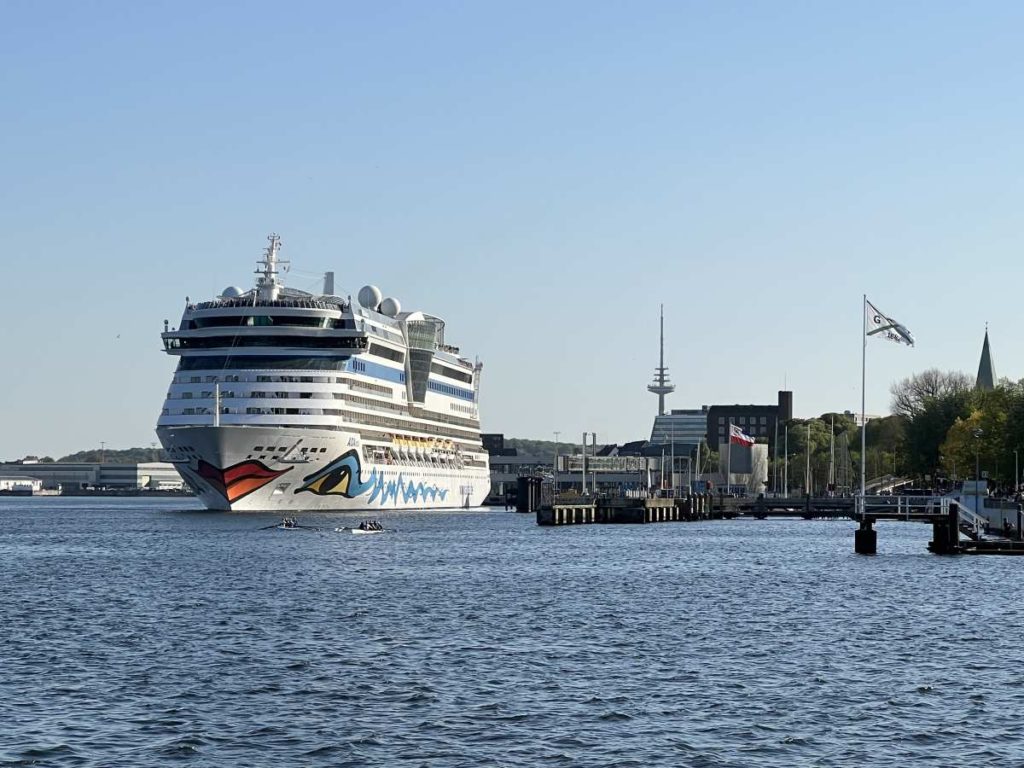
(176, 342)
(279, 329)
(231, 418)
(291, 303)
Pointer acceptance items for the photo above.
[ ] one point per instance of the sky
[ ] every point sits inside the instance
(543, 175)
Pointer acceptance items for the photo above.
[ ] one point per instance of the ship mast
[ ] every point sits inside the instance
(268, 287)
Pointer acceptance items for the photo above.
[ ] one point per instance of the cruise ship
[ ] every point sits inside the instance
(285, 400)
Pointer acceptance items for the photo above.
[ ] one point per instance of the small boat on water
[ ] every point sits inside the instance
(360, 531)
(365, 527)
(289, 524)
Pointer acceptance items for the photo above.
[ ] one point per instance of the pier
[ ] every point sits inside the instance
(604, 510)
(956, 530)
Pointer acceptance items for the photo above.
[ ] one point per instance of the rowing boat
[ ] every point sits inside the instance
(359, 531)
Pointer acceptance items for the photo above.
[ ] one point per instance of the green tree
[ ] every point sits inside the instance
(926, 429)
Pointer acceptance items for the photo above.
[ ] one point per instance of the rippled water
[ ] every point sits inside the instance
(135, 633)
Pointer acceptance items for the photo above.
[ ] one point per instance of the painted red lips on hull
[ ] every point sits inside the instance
(240, 479)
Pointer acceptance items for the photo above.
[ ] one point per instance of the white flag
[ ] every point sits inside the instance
(883, 327)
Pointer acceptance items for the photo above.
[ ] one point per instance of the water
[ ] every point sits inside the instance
(134, 633)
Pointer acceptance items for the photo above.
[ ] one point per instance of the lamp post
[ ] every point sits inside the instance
(554, 469)
(1016, 472)
(977, 470)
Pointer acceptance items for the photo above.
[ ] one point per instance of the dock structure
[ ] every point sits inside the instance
(602, 510)
(956, 530)
(807, 507)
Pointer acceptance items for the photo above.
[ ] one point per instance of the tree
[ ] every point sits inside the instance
(910, 395)
(844, 422)
(927, 428)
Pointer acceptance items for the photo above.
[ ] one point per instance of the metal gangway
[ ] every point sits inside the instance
(921, 509)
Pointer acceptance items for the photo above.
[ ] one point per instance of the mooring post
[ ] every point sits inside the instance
(946, 532)
(865, 538)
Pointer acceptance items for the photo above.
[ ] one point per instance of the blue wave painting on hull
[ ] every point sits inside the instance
(341, 477)
(409, 492)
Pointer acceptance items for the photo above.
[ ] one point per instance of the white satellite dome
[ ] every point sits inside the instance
(369, 296)
(390, 307)
(231, 292)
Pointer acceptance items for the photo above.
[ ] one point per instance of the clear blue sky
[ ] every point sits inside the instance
(542, 175)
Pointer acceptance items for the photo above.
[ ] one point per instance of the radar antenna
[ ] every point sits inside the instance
(267, 284)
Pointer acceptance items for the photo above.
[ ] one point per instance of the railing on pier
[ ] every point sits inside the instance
(923, 508)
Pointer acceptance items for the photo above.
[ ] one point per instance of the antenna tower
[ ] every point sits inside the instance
(661, 385)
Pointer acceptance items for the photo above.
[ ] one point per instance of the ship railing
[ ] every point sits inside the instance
(293, 303)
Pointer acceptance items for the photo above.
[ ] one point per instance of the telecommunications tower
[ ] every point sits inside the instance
(661, 385)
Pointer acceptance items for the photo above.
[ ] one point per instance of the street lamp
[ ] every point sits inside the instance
(977, 470)
(554, 470)
(1016, 473)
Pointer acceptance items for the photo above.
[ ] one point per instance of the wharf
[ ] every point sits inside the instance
(807, 507)
(956, 530)
(602, 510)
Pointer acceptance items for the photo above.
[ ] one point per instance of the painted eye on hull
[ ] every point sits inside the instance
(341, 477)
(335, 481)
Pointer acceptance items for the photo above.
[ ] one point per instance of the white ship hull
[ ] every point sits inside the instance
(225, 471)
(284, 400)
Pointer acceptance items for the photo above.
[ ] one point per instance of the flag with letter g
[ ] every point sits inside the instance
(881, 326)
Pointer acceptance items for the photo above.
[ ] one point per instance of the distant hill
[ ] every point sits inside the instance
(112, 456)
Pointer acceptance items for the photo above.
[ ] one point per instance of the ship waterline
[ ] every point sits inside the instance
(285, 400)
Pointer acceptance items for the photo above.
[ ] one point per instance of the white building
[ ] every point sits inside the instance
(20, 484)
(151, 475)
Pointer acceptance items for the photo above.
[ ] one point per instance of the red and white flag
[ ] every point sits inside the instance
(737, 436)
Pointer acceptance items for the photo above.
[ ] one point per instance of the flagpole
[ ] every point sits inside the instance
(832, 459)
(775, 463)
(807, 477)
(785, 465)
(863, 386)
(728, 470)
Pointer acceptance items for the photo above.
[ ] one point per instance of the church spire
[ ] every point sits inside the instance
(986, 370)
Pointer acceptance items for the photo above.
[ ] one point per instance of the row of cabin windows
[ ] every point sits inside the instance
(360, 385)
(354, 399)
(228, 394)
(234, 378)
(349, 416)
(448, 389)
(384, 421)
(263, 362)
(230, 342)
(366, 386)
(288, 321)
(387, 353)
(451, 373)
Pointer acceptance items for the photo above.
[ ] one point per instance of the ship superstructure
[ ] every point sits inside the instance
(283, 399)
